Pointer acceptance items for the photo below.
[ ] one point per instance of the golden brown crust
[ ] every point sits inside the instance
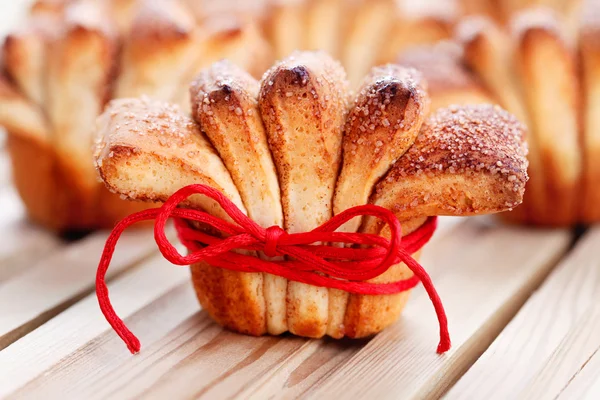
(147, 150)
(590, 65)
(369, 26)
(238, 40)
(225, 297)
(448, 80)
(21, 117)
(159, 51)
(303, 102)
(546, 68)
(141, 139)
(80, 68)
(382, 124)
(367, 315)
(284, 26)
(33, 170)
(24, 55)
(418, 23)
(466, 160)
(70, 47)
(231, 38)
(488, 52)
(51, 197)
(324, 19)
(225, 104)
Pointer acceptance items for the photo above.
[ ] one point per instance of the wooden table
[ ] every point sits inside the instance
(523, 305)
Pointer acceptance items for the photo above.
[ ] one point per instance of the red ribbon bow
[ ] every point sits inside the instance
(345, 268)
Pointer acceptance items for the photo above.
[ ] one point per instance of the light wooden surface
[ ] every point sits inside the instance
(73, 352)
(552, 340)
(509, 339)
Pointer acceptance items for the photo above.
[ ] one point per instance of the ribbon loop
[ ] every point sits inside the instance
(272, 236)
(343, 268)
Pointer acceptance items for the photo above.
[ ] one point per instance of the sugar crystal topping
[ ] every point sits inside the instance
(468, 140)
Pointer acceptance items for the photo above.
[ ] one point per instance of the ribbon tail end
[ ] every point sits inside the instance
(134, 345)
(444, 346)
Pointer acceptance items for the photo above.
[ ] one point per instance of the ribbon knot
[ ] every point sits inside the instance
(272, 236)
(345, 268)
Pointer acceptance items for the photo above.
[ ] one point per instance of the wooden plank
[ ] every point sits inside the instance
(55, 282)
(195, 358)
(522, 349)
(569, 359)
(484, 274)
(182, 349)
(83, 325)
(586, 384)
(22, 242)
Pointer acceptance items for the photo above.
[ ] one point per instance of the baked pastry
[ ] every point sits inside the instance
(533, 71)
(275, 147)
(502, 11)
(80, 53)
(360, 33)
(448, 79)
(69, 59)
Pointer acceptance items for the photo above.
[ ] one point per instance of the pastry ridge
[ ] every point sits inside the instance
(472, 159)
(225, 103)
(383, 122)
(590, 65)
(303, 105)
(138, 139)
(546, 67)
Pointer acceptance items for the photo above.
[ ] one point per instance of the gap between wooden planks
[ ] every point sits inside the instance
(184, 354)
(57, 280)
(550, 347)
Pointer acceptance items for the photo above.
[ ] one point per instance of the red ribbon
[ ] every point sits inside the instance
(344, 268)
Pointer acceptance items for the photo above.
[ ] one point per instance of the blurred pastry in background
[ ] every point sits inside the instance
(69, 59)
(536, 70)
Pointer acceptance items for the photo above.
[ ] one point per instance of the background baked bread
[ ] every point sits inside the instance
(280, 161)
(71, 57)
(77, 54)
(543, 70)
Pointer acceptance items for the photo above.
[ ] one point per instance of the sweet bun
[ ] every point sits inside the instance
(590, 65)
(215, 93)
(303, 104)
(448, 79)
(71, 57)
(535, 69)
(288, 152)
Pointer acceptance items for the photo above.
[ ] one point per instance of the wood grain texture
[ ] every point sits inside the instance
(184, 352)
(586, 383)
(83, 324)
(22, 243)
(186, 355)
(56, 281)
(568, 360)
(552, 316)
(482, 286)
